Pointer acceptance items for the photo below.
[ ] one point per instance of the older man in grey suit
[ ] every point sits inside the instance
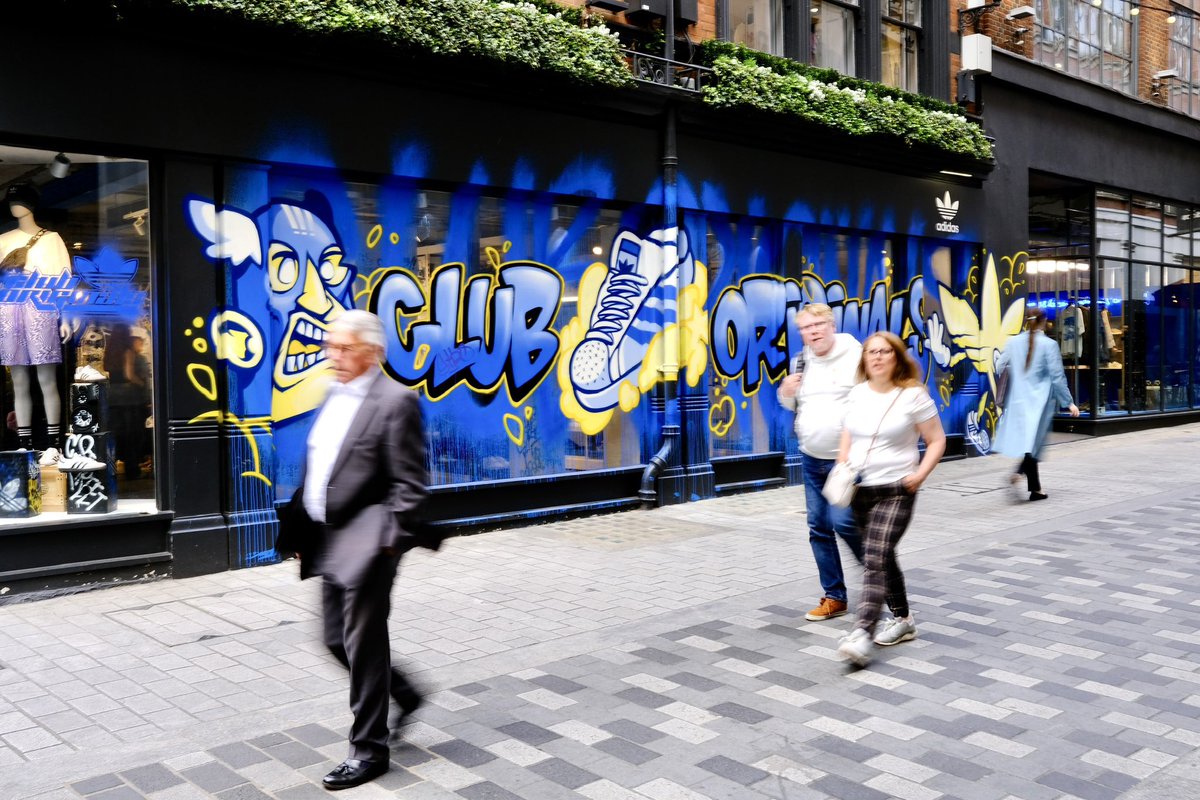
(365, 478)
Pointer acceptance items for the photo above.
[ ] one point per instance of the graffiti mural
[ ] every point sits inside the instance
(535, 328)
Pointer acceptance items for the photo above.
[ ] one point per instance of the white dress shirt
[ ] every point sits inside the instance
(327, 435)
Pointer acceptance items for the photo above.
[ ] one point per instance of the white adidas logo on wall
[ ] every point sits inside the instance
(948, 209)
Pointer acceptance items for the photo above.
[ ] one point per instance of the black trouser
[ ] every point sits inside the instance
(356, 633)
(1029, 468)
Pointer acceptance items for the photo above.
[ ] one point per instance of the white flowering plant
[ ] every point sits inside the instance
(745, 78)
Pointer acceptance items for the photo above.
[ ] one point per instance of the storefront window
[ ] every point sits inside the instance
(1147, 229)
(1111, 292)
(1112, 224)
(1143, 321)
(75, 335)
(1174, 302)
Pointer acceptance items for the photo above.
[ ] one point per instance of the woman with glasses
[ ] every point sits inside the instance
(887, 412)
(1037, 386)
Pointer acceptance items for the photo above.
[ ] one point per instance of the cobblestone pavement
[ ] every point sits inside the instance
(664, 655)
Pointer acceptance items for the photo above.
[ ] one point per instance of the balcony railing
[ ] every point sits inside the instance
(664, 72)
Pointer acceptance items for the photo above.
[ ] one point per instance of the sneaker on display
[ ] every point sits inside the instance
(89, 374)
(896, 630)
(636, 299)
(856, 647)
(79, 464)
(50, 457)
(828, 608)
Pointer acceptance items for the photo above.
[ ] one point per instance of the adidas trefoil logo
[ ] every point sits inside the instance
(948, 210)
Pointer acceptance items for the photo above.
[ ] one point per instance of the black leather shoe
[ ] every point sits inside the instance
(1034, 496)
(353, 772)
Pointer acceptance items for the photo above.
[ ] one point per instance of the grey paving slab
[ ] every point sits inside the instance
(653, 654)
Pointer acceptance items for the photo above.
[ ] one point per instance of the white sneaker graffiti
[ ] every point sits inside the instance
(635, 301)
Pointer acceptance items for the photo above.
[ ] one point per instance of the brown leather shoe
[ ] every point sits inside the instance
(827, 609)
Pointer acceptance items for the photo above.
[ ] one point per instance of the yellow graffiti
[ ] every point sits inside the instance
(236, 339)
(514, 426)
(721, 416)
(204, 380)
(981, 336)
(421, 355)
(688, 337)
(246, 426)
(209, 389)
(496, 257)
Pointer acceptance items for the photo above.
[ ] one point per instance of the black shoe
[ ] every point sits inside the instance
(353, 772)
(1037, 496)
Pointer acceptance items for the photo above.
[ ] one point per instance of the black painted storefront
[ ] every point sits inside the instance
(203, 110)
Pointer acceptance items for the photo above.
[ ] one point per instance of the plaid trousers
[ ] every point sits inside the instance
(883, 514)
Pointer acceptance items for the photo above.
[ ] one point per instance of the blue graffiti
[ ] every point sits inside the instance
(481, 333)
(752, 335)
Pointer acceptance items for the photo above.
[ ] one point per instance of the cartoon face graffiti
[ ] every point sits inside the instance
(306, 281)
(309, 288)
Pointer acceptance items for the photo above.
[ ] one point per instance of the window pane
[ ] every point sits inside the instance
(757, 24)
(833, 37)
(84, 225)
(1112, 224)
(899, 57)
(1174, 301)
(1110, 294)
(1143, 339)
(1147, 229)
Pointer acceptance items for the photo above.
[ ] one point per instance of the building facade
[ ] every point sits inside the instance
(591, 289)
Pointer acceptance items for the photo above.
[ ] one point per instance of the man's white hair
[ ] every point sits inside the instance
(362, 325)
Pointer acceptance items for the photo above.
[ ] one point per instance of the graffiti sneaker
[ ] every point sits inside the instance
(89, 374)
(637, 298)
(50, 457)
(79, 464)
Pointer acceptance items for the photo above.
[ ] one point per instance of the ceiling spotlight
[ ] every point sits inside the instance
(1133, 12)
(597, 250)
(1171, 19)
(59, 166)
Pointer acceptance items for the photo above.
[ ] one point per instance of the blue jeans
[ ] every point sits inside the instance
(824, 521)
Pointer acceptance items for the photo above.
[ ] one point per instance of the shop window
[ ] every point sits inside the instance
(1183, 92)
(76, 335)
(757, 24)
(1111, 292)
(1175, 304)
(832, 35)
(1092, 41)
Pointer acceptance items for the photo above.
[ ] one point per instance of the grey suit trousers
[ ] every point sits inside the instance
(356, 627)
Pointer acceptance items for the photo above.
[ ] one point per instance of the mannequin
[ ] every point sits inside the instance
(31, 339)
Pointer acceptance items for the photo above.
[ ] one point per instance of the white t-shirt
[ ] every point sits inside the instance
(895, 452)
(48, 255)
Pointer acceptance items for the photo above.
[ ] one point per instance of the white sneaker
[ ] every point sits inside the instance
(856, 647)
(79, 464)
(50, 457)
(630, 310)
(89, 374)
(896, 630)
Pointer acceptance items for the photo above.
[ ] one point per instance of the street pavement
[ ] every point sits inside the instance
(664, 655)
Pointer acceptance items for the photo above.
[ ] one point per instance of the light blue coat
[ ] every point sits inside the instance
(1033, 395)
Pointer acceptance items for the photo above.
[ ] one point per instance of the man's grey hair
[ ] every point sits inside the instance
(362, 325)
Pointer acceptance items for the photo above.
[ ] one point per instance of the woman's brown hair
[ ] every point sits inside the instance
(1035, 320)
(905, 372)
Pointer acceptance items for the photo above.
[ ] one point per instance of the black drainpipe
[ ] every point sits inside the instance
(670, 431)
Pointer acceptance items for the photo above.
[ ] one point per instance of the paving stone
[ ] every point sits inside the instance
(564, 773)
(151, 778)
(96, 784)
(213, 777)
(462, 753)
(238, 755)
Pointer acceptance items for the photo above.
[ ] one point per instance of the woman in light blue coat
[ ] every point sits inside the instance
(1036, 387)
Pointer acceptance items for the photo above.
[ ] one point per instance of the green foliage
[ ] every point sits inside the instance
(538, 34)
(746, 78)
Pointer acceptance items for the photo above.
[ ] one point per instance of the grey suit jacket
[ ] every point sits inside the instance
(377, 483)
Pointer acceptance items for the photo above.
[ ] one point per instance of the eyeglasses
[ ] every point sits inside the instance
(880, 352)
